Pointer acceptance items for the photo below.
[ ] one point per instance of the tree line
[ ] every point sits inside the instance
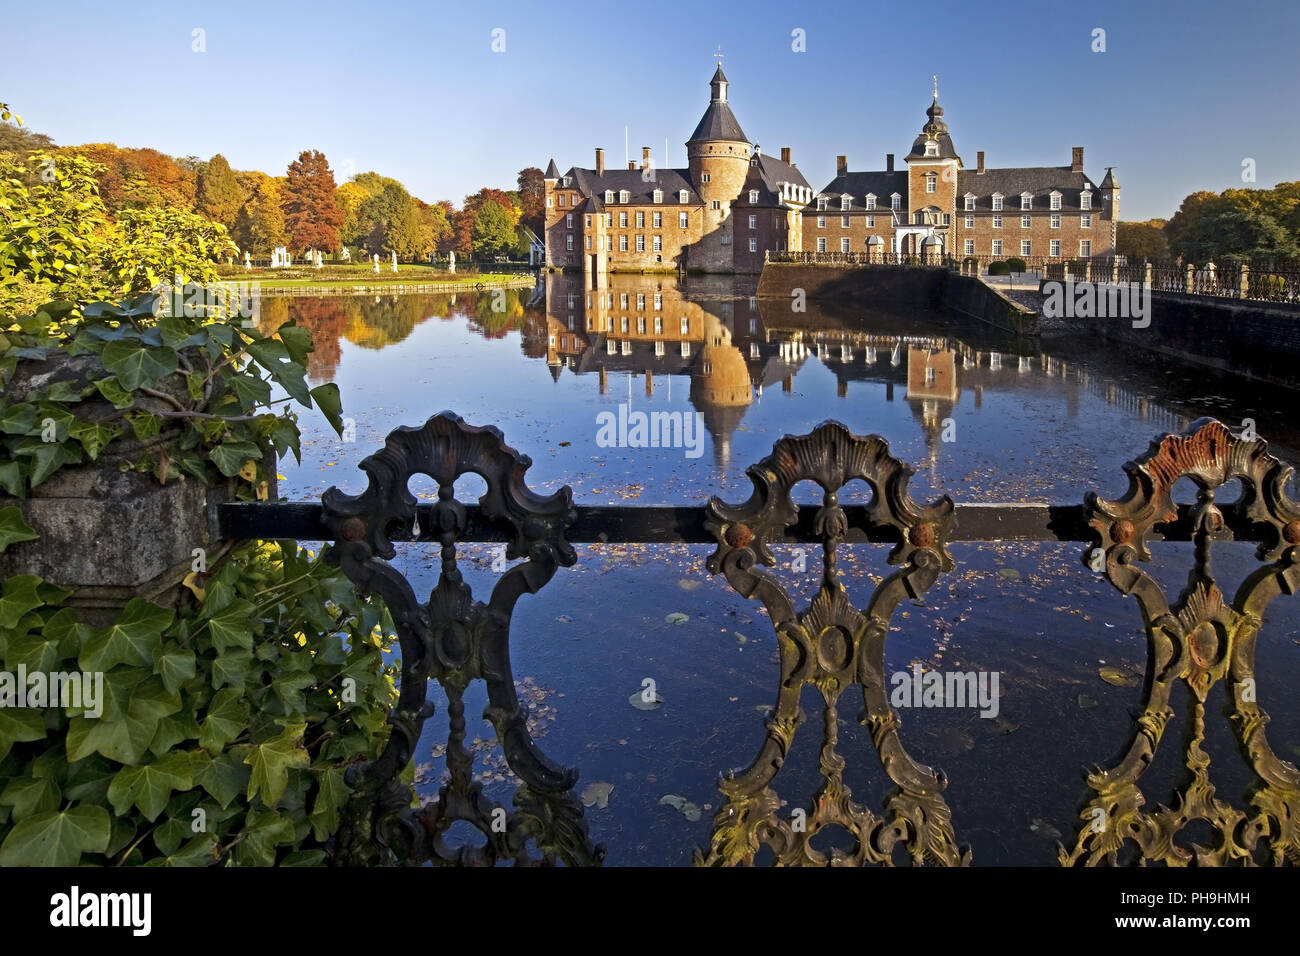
(306, 208)
(1236, 225)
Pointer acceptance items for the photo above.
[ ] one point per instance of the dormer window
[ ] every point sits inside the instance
(624, 195)
(658, 196)
(609, 195)
(997, 201)
(895, 201)
(970, 202)
(1085, 199)
(844, 202)
(682, 196)
(821, 203)
(1026, 200)
(1056, 200)
(568, 180)
(931, 182)
(753, 197)
(871, 200)
(931, 148)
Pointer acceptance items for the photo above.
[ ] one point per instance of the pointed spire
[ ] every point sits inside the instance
(551, 171)
(1109, 181)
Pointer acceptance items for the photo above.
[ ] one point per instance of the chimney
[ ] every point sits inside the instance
(1076, 159)
(841, 165)
(631, 164)
(785, 155)
(600, 161)
(645, 157)
(979, 162)
(889, 162)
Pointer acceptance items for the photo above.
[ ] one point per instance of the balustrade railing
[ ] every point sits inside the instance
(1195, 639)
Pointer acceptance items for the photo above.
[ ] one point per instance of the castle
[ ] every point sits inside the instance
(733, 204)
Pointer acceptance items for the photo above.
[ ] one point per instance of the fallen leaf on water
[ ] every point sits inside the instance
(1010, 574)
(1116, 677)
(677, 617)
(1044, 829)
(686, 584)
(565, 444)
(596, 794)
(683, 806)
(639, 701)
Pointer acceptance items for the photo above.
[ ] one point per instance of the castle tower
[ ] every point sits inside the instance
(932, 168)
(718, 155)
(549, 180)
(1110, 204)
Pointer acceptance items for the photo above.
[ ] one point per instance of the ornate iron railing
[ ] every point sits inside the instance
(1196, 639)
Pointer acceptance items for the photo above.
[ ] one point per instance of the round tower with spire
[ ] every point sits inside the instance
(718, 154)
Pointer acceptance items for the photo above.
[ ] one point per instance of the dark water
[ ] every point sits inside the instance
(980, 420)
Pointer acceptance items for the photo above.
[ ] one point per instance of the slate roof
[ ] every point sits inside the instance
(640, 192)
(882, 184)
(774, 172)
(551, 171)
(936, 129)
(718, 122)
(1014, 180)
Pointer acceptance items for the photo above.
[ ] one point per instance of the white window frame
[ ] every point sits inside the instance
(1054, 248)
(997, 247)
(931, 148)
(706, 177)
(1055, 200)
(753, 222)
(821, 222)
(753, 245)
(845, 244)
(568, 220)
(931, 183)
(1055, 221)
(658, 301)
(1085, 248)
(871, 222)
(969, 246)
(683, 220)
(658, 195)
(624, 196)
(640, 220)
(1026, 201)
(997, 202)
(845, 202)
(753, 197)
(871, 200)
(569, 242)
(895, 201)
(844, 222)
(1026, 247)
(1085, 221)
(821, 243)
(1026, 222)
(997, 222)
(609, 195)
(640, 247)
(622, 243)
(686, 326)
(1085, 199)
(821, 203)
(970, 202)
(969, 222)
(658, 246)
(657, 220)
(683, 196)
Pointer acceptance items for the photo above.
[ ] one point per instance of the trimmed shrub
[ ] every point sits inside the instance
(998, 268)
(1016, 264)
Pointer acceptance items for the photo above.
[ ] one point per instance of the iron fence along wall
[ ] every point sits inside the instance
(1194, 639)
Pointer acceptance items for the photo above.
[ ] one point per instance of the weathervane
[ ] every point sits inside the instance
(936, 84)
(718, 55)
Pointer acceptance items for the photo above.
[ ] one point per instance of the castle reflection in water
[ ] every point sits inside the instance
(732, 344)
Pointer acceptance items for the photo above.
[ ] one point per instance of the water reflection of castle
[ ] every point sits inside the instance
(734, 346)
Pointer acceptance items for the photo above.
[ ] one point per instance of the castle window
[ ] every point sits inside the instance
(821, 203)
(640, 247)
(686, 326)
(1056, 220)
(947, 219)
(640, 300)
(970, 247)
(568, 221)
(659, 195)
(997, 222)
(970, 202)
(640, 325)
(716, 204)
(561, 199)
(1085, 248)
(707, 178)
(895, 201)
(754, 352)
(659, 326)
(659, 348)
(821, 243)
(753, 197)
(589, 242)
(871, 222)
(640, 220)
(609, 243)
(550, 202)
(682, 195)
(625, 347)
(623, 302)
(931, 182)
(1056, 201)
(568, 180)
(1054, 248)
(1085, 222)
(1024, 222)
(997, 201)
(753, 222)
(659, 300)
(609, 195)
(623, 325)
(587, 220)
(686, 350)
(997, 247)
(871, 200)
(931, 148)
(657, 220)
(821, 222)
(844, 202)
(1026, 201)
(1026, 247)
(683, 220)
(753, 245)
(844, 244)
(622, 243)
(931, 374)
(970, 222)
(622, 220)
(1085, 199)
(609, 220)
(623, 195)
(569, 242)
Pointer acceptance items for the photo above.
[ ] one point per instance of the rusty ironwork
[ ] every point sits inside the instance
(455, 640)
(832, 645)
(1199, 640)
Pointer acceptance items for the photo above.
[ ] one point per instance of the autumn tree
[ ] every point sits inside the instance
(465, 219)
(138, 178)
(259, 225)
(219, 194)
(532, 198)
(492, 230)
(311, 216)
(1142, 240)
(349, 198)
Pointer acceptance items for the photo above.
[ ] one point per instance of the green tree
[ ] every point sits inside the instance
(311, 216)
(1142, 240)
(492, 230)
(219, 193)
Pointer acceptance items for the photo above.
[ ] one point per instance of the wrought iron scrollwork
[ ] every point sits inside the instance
(1199, 640)
(832, 645)
(455, 640)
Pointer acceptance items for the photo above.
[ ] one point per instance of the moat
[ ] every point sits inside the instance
(980, 418)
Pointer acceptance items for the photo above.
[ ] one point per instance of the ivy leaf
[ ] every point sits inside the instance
(57, 838)
(331, 797)
(129, 641)
(47, 458)
(272, 760)
(201, 851)
(231, 667)
(92, 437)
(175, 666)
(31, 795)
(126, 740)
(19, 725)
(149, 787)
(250, 391)
(19, 597)
(18, 419)
(137, 365)
(230, 457)
(224, 776)
(297, 341)
(289, 375)
(330, 403)
(232, 626)
(11, 478)
(226, 719)
(13, 528)
(112, 390)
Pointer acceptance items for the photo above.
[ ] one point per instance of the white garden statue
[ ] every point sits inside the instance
(376, 261)
(451, 261)
(394, 260)
(248, 260)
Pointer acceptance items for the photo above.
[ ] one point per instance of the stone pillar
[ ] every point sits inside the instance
(1243, 288)
(1148, 273)
(1114, 271)
(1087, 270)
(1189, 283)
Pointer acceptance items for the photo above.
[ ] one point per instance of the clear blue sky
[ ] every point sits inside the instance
(1183, 93)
